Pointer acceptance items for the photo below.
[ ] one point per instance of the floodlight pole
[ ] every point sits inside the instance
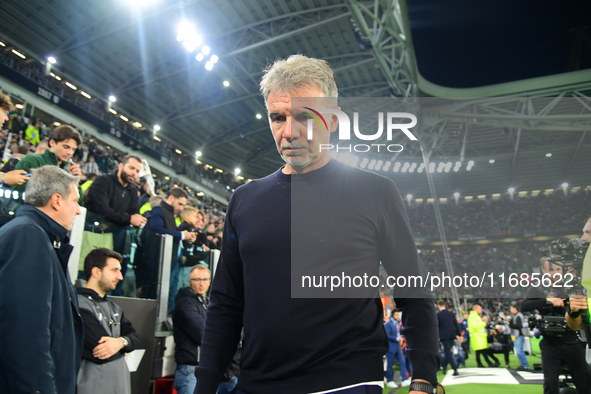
(447, 258)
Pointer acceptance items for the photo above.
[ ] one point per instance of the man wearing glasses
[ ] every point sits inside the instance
(188, 323)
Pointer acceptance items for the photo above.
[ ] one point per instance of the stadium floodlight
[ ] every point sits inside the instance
(456, 194)
(189, 37)
(189, 46)
(491, 161)
(409, 196)
(17, 53)
(259, 116)
(51, 60)
(226, 83)
(199, 57)
(565, 185)
(198, 153)
(205, 50)
(214, 59)
(511, 190)
(237, 171)
(156, 127)
(548, 154)
(112, 99)
(208, 65)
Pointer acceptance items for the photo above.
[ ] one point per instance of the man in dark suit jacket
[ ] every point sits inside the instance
(162, 221)
(448, 331)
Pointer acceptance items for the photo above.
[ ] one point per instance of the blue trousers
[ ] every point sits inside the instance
(396, 352)
(185, 381)
(520, 353)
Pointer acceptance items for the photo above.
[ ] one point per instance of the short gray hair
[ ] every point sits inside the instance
(47, 181)
(199, 267)
(297, 72)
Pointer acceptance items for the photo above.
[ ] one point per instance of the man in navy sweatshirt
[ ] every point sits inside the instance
(320, 213)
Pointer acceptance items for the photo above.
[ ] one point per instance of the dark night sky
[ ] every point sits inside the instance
(467, 43)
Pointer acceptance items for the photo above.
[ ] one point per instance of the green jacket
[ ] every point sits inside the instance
(477, 330)
(37, 160)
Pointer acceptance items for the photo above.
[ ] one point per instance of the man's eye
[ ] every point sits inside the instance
(303, 117)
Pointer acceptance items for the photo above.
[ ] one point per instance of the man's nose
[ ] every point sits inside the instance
(287, 132)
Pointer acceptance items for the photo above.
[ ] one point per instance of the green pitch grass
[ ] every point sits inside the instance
(485, 388)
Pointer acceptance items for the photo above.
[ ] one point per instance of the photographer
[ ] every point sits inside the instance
(560, 345)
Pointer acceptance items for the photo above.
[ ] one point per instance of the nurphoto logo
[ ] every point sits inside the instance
(345, 130)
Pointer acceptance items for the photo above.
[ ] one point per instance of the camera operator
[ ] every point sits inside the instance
(559, 346)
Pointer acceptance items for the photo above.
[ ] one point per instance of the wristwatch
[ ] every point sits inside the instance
(426, 388)
(125, 341)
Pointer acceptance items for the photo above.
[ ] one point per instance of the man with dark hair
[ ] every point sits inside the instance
(395, 351)
(114, 197)
(162, 221)
(62, 144)
(40, 325)
(517, 324)
(448, 332)
(107, 333)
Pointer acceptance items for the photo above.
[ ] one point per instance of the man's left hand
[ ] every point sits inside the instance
(107, 347)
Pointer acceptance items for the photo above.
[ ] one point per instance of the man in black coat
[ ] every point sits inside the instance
(448, 332)
(40, 324)
(115, 198)
(188, 324)
(162, 221)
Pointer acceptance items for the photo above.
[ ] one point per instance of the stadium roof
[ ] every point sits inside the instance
(377, 48)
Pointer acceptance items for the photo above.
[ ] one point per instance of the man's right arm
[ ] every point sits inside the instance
(25, 308)
(98, 196)
(223, 324)
(534, 299)
(156, 224)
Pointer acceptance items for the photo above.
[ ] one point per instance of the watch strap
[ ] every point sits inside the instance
(423, 387)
